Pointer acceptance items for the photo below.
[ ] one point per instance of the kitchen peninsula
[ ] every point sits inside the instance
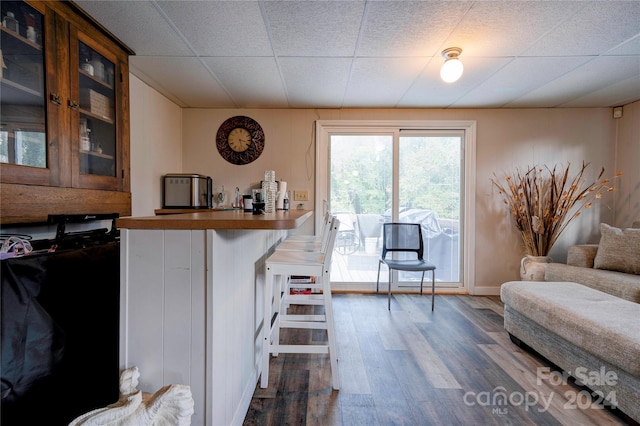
(191, 303)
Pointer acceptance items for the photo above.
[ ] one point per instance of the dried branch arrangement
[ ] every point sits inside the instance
(544, 201)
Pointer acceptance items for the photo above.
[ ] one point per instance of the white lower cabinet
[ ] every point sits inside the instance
(191, 313)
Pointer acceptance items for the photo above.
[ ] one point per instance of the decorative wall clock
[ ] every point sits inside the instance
(240, 140)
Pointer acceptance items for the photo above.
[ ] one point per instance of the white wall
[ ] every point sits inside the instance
(506, 138)
(156, 145)
(628, 161)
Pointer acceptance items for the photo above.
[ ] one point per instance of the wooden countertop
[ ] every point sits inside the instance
(176, 211)
(218, 219)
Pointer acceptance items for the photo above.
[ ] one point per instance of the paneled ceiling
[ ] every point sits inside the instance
(380, 54)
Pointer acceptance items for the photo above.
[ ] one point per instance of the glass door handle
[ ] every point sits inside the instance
(55, 98)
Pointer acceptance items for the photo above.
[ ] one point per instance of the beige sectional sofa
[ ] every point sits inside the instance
(585, 317)
(613, 266)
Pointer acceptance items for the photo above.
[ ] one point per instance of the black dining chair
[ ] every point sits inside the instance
(405, 238)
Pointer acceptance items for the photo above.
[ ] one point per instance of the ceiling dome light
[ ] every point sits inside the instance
(452, 68)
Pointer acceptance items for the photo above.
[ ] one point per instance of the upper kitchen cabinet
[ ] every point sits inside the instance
(23, 134)
(64, 129)
(96, 118)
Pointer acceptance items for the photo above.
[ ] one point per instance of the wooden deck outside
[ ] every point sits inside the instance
(366, 270)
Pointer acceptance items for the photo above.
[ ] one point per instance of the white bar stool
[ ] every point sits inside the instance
(313, 238)
(280, 265)
(318, 243)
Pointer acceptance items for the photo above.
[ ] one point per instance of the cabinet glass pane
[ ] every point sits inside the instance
(97, 129)
(22, 124)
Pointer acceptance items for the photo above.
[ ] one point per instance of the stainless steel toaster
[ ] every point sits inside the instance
(187, 191)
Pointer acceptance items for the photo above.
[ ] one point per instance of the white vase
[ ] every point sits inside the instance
(532, 268)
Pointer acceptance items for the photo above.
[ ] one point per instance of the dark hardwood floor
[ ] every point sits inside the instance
(411, 366)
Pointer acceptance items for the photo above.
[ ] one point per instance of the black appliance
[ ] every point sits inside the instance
(60, 325)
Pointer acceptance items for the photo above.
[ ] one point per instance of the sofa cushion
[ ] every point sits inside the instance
(582, 255)
(619, 249)
(619, 284)
(603, 325)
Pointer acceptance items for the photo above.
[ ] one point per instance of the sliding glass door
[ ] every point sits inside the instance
(429, 192)
(360, 194)
(392, 174)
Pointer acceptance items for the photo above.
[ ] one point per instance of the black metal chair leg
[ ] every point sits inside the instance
(433, 289)
(389, 298)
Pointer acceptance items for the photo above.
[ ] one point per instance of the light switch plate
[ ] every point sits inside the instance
(301, 195)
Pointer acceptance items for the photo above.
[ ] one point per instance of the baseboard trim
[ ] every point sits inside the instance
(486, 291)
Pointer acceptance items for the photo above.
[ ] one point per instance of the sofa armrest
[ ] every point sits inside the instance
(582, 255)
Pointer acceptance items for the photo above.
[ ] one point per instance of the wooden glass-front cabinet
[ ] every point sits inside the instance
(64, 125)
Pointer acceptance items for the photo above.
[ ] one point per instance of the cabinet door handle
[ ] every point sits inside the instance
(56, 99)
(73, 105)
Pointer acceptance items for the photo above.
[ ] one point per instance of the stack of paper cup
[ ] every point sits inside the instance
(269, 191)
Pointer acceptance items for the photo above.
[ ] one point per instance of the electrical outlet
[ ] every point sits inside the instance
(617, 112)
(301, 195)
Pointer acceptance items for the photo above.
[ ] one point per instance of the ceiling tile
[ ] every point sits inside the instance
(315, 82)
(598, 26)
(430, 90)
(595, 75)
(186, 81)
(375, 79)
(310, 28)
(619, 93)
(408, 28)
(220, 28)
(631, 47)
(506, 28)
(139, 25)
(517, 78)
(380, 53)
(253, 82)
